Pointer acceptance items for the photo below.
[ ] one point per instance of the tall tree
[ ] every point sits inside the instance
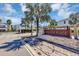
(38, 12)
(9, 22)
(41, 13)
(23, 22)
(29, 15)
(53, 23)
(74, 19)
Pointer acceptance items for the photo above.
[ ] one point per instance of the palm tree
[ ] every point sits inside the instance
(23, 22)
(41, 13)
(9, 22)
(38, 12)
(29, 21)
(29, 15)
(74, 19)
(53, 23)
(45, 19)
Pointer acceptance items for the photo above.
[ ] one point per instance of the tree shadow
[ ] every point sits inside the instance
(19, 43)
(13, 45)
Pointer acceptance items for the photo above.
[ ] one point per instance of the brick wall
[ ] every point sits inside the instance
(58, 32)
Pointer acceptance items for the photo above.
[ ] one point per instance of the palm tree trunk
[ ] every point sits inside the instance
(75, 29)
(25, 27)
(37, 26)
(9, 28)
(31, 29)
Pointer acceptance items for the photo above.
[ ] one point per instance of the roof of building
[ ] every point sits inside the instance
(62, 20)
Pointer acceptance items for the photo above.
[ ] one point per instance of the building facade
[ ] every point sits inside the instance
(3, 27)
(64, 22)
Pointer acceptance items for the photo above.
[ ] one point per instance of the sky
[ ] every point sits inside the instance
(62, 11)
(15, 11)
(11, 11)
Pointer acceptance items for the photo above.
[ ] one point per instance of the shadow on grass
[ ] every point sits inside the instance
(18, 43)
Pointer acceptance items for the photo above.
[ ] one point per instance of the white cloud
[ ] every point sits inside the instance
(13, 19)
(8, 8)
(10, 13)
(65, 6)
(64, 14)
(55, 7)
(23, 7)
(59, 6)
(62, 9)
(16, 21)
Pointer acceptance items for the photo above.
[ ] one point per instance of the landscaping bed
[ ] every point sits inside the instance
(43, 48)
(62, 40)
(46, 49)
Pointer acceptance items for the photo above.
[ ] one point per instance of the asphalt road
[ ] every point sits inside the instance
(7, 50)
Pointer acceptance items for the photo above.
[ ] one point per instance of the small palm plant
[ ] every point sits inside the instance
(9, 22)
(53, 23)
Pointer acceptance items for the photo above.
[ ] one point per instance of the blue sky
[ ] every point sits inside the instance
(15, 11)
(11, 11)
(62, 11)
